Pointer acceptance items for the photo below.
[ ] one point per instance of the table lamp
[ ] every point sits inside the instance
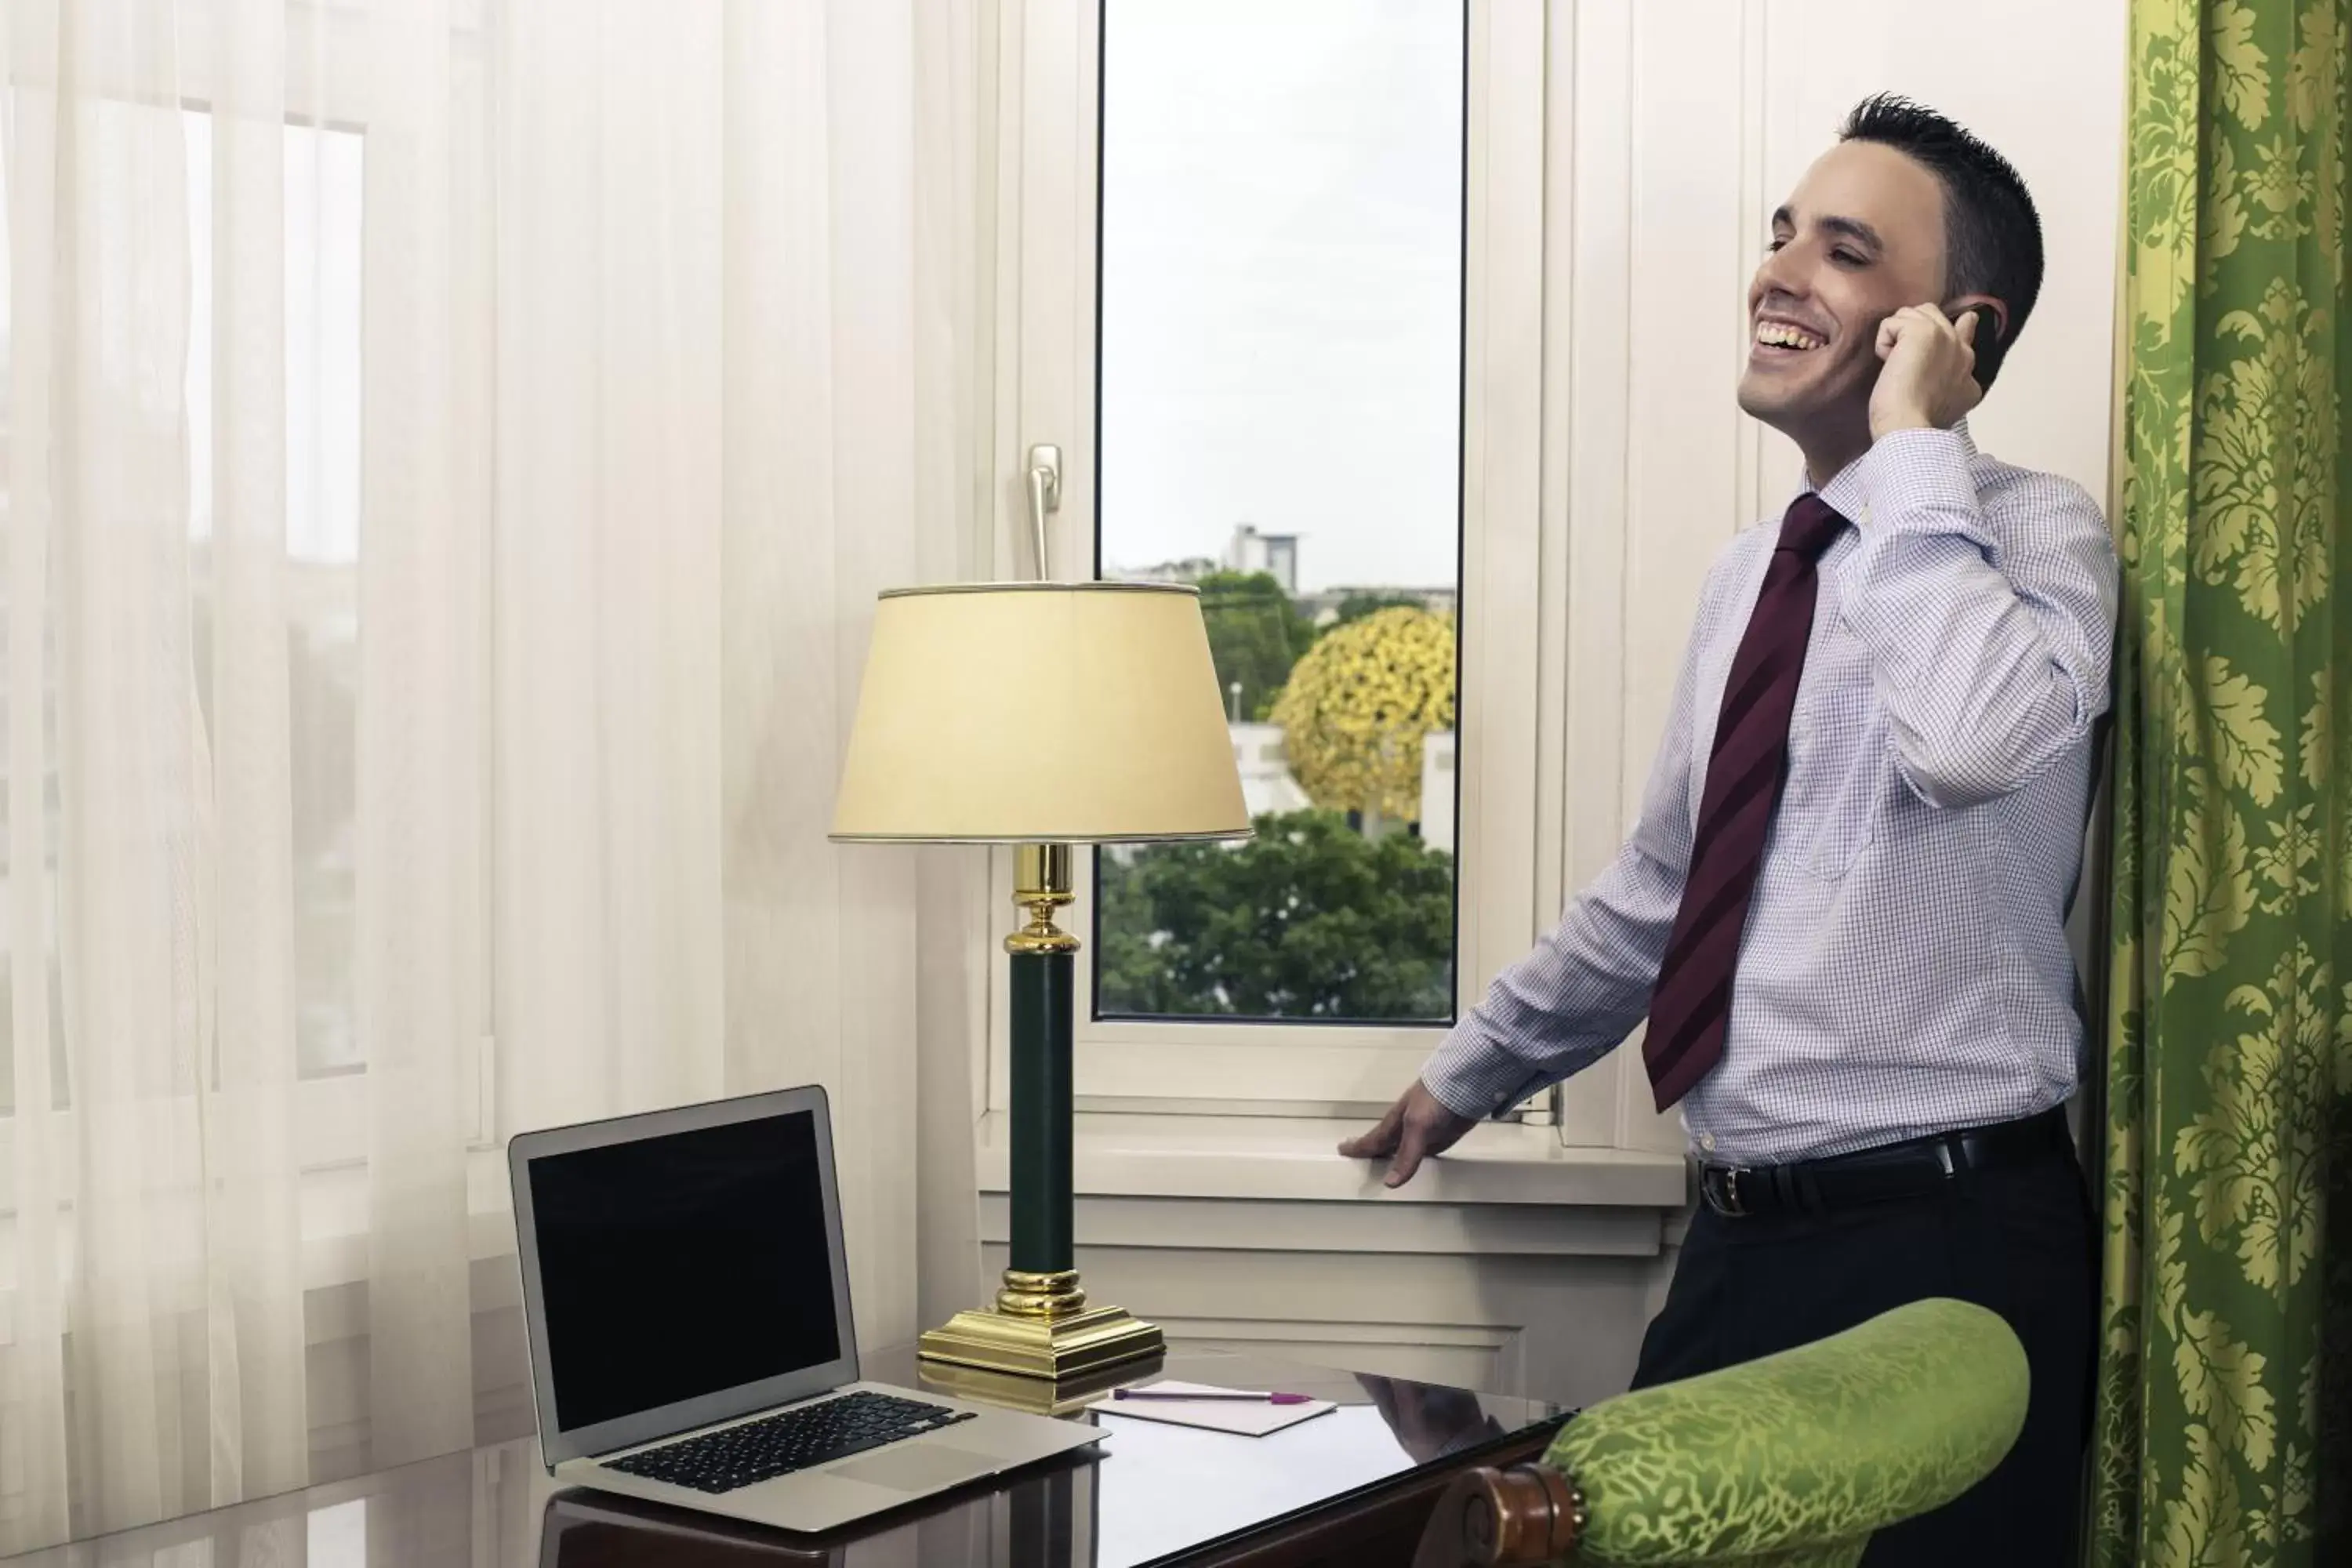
(1039, 715)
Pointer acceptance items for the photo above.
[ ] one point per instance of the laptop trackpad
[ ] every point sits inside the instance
(918, 1467)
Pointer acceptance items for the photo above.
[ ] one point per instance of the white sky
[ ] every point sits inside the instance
(1281, 277)
(324, 187)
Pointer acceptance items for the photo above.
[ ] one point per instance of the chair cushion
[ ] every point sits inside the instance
(1799, 1456)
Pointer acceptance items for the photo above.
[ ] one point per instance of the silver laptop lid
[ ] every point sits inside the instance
(680, 1267)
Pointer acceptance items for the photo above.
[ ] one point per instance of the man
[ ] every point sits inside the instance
(1841, 908)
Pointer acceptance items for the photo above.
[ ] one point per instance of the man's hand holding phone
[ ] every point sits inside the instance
(1927, 377)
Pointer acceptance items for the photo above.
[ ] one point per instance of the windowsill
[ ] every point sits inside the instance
(1295, 1157)
(1127, 1155)
(335, 1221)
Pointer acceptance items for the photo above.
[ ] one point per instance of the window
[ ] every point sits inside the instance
(325, 169)
(323, 173)
(1280, 422)
(1279, 299)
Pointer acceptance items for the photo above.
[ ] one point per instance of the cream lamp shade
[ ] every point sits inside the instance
(1040, 713)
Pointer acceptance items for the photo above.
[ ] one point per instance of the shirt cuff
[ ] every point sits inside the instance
(1917, 481)
(1473, 1075)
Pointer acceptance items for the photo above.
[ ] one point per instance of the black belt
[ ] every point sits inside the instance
(1911, 1169)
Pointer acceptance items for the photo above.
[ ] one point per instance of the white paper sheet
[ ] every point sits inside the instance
(1245, 1417)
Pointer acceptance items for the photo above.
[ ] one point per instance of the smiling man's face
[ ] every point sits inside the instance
(1860, 238)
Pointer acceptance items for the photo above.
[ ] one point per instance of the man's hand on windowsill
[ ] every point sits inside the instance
(1417, 1127)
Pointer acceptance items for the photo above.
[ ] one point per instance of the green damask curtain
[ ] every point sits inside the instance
(2227, 1363)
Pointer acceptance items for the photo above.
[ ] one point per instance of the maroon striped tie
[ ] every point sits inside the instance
(1692, 1006)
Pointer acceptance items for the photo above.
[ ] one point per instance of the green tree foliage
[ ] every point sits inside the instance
(1356, 607)
(1309, 921)
(1256, 633)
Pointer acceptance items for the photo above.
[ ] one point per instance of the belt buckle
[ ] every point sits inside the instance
(1722, 1194)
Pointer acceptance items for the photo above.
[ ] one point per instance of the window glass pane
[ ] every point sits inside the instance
(324, 171)
(1280, 423)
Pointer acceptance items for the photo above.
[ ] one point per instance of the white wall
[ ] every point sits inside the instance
(2043, 83)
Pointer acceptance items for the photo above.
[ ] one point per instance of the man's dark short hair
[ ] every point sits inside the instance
(1992, 235)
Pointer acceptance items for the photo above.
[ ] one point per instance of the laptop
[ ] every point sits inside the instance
(688, 1310)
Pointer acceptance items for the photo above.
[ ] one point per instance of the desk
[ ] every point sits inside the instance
(1350, 1487)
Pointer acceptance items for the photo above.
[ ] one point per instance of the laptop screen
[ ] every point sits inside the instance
(682, 1265)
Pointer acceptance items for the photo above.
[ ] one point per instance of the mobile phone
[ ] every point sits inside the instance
(1988, 345)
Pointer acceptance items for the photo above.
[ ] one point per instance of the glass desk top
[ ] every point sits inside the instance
(1152, 1493)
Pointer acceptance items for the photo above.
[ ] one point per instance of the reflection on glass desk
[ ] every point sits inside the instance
(1153, 1493)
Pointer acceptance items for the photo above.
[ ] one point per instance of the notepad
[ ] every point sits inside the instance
(1244, 1417)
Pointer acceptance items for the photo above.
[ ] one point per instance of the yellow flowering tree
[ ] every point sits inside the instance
(1358, 704)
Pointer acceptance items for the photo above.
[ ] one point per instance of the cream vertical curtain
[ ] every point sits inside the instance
(156, 1278)
(857, 380)
(418, 78)
(512, 711)
(744, 369)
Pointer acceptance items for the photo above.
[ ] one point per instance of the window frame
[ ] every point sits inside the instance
(1046, 289)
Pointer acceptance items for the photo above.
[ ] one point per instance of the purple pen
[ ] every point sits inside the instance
(1251, 1398)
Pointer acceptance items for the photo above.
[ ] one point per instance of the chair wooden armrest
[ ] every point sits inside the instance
(1522, 1517)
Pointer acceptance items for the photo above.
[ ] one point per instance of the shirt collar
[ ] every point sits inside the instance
(1850, 496)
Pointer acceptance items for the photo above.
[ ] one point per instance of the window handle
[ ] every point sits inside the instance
(1044, 479)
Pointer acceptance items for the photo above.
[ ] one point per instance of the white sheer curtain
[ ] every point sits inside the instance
(156, 1278)
(743, 374)
(462, 652)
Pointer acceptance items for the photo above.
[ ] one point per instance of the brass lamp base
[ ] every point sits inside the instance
(1034, 1396)
(1042, 1328)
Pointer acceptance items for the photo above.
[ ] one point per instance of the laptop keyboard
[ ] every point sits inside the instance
(795, 1439)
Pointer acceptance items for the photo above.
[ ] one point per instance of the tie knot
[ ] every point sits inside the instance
(1811, 526)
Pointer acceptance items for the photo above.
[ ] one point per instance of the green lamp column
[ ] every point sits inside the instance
(1041, 1326)
(1044, 961)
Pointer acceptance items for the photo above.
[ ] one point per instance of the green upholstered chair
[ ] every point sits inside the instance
(1791, 1461)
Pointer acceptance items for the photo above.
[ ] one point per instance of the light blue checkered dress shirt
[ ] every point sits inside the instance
(1905, 968)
